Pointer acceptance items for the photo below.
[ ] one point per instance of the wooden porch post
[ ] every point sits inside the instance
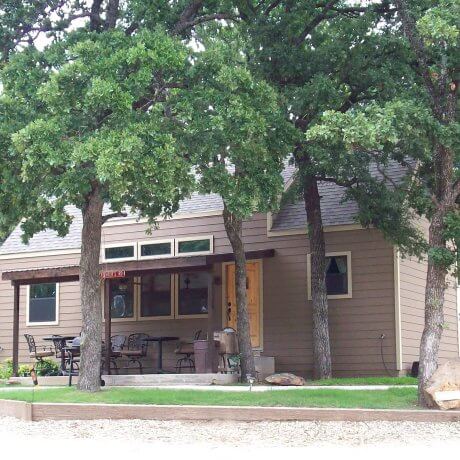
(210, 328)
(16, 329)
(107, 328)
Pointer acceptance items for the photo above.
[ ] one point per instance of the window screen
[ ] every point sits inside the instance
(42, 303)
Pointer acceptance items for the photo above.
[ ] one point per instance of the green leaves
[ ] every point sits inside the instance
(97, 115)
(236, 133)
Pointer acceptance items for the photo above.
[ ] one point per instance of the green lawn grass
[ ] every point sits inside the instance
(394, 398)
(365, 381)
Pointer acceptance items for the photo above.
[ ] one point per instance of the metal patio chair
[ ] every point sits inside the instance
(37, 353)
(117, 343)
(186, 351)
(136, 350)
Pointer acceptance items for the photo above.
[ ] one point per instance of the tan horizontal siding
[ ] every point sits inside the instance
(412, 298)
(355, 324)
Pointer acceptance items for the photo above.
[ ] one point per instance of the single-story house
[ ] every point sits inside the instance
(179, 279)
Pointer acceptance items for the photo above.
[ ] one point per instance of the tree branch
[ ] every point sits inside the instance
(180, 27)
(112, 216)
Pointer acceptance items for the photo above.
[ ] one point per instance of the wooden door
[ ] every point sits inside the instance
(253, 295)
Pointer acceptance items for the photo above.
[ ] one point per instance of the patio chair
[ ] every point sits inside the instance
(186, 350)
(37, 353)
(117, 343)
(137, 349)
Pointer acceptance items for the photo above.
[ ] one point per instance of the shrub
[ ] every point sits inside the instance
(24, 370)
(6, 369)
(43, 368)
(47, 366)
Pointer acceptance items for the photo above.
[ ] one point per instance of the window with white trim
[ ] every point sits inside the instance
(194, 245)
(338, 275)
(156, 249)
(120, 252)
(42, 304)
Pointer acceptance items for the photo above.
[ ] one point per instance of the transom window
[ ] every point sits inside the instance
(186, 246)
(338, 275)
(121, 252)
(156, 249)
(42, 304)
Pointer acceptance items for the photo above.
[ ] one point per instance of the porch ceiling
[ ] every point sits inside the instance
(132, 268)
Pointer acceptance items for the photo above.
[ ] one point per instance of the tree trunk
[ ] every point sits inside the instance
(322, 368)
(233, 226)
(91, 306)
(434, 310)
(436, 273)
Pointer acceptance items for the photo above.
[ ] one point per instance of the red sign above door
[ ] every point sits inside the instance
(109, 274)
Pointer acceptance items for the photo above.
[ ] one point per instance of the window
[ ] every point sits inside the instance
(156, 292)
(42, 304)
(121, 297)
(156, 249)
(185, 246)
(338, 275)
(120, 252)
(193, 294)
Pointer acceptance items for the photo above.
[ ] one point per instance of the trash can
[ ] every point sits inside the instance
(206, 360)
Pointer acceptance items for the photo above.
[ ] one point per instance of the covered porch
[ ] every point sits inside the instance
(172, 297)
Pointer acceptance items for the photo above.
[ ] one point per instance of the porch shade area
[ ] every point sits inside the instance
(64, 274)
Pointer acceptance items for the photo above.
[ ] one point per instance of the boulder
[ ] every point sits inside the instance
(443, 388)
(285, 379)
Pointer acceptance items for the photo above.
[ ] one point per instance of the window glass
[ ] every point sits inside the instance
(194, 246)
(193, 293)
(42, 303)
(121, 297)
(155, 249)
(156, 295)
(120, 252)
(336, 275)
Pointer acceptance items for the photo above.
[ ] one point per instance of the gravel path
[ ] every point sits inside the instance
(240, 434)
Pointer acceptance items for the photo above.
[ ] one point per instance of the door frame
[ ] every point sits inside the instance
(260, 348)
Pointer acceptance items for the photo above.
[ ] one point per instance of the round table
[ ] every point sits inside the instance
(160, 340)
(62, 339)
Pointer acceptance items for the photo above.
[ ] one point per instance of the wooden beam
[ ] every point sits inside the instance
(42, 273)
(230, 257)
(107, 327)
(16, 329)
(132, 267)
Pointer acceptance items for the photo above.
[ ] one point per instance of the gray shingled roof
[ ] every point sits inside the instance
(291, 216)
(334, 210)
(49, 239)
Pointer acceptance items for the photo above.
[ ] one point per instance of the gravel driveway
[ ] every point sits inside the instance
(237, 434)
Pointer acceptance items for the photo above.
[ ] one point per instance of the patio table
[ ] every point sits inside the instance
(63, 339)
(160, 340)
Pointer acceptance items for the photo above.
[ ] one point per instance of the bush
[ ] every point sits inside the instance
(43, 368)
(6, 369)
(47, 366)
(24, 370)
